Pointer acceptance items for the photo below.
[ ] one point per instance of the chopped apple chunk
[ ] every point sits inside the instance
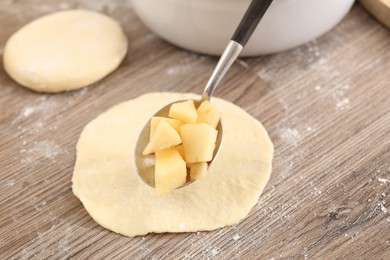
(165, 136)
(184, 111)
(198, 170)
(172, 122)
(208, 114)
(170, 171)
(198, 142)
(180, 149)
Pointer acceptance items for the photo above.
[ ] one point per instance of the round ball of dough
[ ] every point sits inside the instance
(64, 51)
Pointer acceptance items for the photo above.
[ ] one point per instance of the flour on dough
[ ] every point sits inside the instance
(105, 181)
(65, 50)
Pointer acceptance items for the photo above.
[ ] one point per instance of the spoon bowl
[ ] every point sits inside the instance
(144, 165)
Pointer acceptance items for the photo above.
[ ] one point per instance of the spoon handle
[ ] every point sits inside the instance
(251, 19)
(244, 31)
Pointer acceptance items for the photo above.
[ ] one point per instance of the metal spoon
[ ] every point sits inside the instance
(257, 8)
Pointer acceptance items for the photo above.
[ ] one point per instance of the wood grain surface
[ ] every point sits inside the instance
(325, 104)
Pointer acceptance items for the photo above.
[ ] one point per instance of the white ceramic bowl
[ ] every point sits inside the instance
(205, 26)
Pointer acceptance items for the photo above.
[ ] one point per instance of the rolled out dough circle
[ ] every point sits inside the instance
(114, 195)
(64, 51)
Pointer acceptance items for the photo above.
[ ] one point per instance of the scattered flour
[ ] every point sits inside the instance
(304, 253)
(341, 101)
(37, 119)
(174, 70)
(236, 237)
(64, 243)
(10, 183)
(265, 74)
(290, 162)
(313, 49)
(27, 111)
(306, 55)
(316, 190)
(290, 135)
(61, 233)
(383, 180)
(324, 68)
(42, 106)
(185, 65)
(383, 208)
(42, 150)
(286, 170)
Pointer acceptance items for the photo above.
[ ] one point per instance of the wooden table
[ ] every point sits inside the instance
(325, 104)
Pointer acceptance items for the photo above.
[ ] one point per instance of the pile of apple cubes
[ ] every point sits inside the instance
(185, 140)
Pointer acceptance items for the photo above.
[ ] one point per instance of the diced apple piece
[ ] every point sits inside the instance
(198, 142)
(208, 114)
(198, 170)
(184, 111)
(180, 149)
(172, 122)
(170, 171)
(165, 136)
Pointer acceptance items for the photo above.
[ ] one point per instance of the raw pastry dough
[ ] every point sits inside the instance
(114, 195)
(65, 50)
